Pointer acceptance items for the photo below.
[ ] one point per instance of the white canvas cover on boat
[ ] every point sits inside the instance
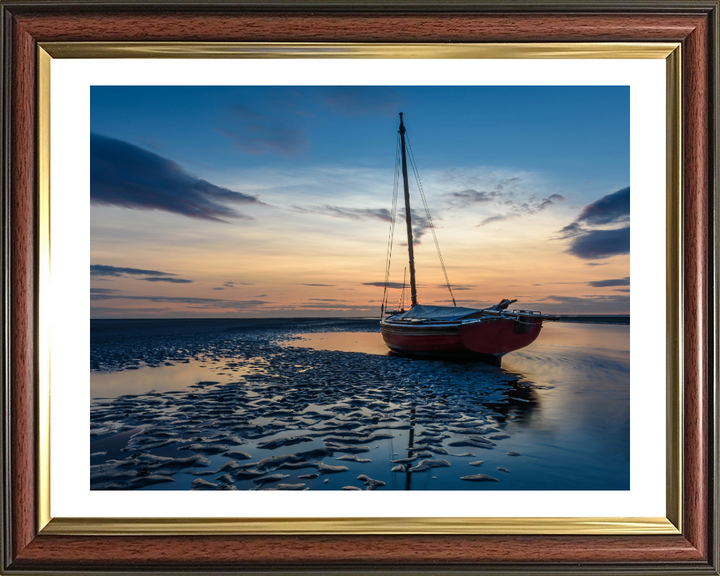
(444, 313)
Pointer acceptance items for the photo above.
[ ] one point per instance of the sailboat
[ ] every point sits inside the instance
(445, 331)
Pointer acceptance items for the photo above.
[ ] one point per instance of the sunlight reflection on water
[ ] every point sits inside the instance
(367, 342)
(165, 378)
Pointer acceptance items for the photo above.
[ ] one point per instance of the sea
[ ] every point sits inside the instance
(322, 404)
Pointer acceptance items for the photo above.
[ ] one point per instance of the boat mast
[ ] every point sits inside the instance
(408, 217)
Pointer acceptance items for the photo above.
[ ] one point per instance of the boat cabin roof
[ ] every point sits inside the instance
(445, 313)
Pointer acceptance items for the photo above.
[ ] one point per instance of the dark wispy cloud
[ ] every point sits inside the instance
(351, 213)
(498, 192)
(588, 304)
(358, 100)
(508, 197)
(420, 225)
(258, 134)
(260, 138)
(602, 229)
(420, 222)
(125, 175)
(123, 312)
(104, 291)
(326, 300)
(117, 271)
(171, 280)
(526, 208)
(182, 299)
(389, 284)
(613, 282)
(468, 197)
(611, 209)
(330, 306)
(591, 244)
(104, 271)
(206, 302)
(317, 285)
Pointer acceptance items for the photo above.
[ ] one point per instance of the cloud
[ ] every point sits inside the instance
(246, 113)
(173, 280)
(326, 300)
(351, 213)
(182, 299)
(497, 193)
(261, 138)
(326, 306)
(600, 243)
(104, 270)
(616, 282)
(103, 291)
(124, 312)
(259, 134)
(588, 304)
(497, 218)
(359, 100)
(467, 197)
(611, 209)
(389, 284)
(127, 176)
(420, 225)
(511, 196)
(219, 288)
(317, 285)
(205, 302)
(419, 221)
(526, 208)
(602, 229)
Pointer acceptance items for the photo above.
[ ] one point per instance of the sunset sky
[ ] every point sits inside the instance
(275, 201)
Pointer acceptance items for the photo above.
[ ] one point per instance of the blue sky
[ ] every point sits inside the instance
(263, 192)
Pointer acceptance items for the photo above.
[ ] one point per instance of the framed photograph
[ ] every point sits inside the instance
(265, 394)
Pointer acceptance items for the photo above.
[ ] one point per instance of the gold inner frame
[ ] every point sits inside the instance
(670, 52)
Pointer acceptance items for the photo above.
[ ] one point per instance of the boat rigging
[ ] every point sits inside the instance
(441, 331)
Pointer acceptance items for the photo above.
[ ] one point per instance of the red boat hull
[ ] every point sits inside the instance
(490, 339)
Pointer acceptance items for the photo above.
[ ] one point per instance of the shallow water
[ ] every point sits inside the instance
(158, 378)
(322, 405)
(367, 342)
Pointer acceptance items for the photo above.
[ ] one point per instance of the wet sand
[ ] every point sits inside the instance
(320, 404)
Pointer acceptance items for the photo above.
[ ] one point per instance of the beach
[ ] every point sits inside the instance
(320, 404)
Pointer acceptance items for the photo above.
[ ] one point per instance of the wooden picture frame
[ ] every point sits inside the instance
(31, 546)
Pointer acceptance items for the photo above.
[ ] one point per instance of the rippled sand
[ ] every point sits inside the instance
(246, 411)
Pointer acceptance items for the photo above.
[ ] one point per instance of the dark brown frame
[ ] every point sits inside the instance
(693, 23)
